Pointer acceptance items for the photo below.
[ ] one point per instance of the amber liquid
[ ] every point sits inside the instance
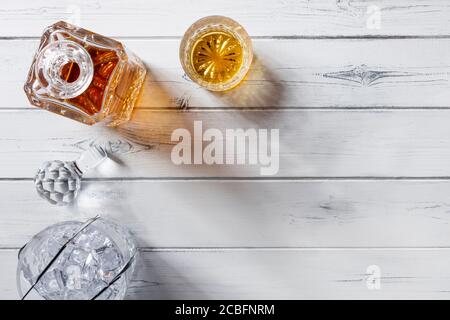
(105, 61)
(216, 57)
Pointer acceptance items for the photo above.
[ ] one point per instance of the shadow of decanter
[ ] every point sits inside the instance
(166, 105)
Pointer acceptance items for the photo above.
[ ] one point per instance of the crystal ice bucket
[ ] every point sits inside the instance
(77, 261)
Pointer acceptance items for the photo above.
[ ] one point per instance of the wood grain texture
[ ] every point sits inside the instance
(278, 274)
(355, 187)
(312, 144)
(307, 73)
(260, 18)
(207, 214)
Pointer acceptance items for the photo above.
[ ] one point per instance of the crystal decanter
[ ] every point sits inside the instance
(84, 76)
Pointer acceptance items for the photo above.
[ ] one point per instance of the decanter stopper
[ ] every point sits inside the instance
(59, 181)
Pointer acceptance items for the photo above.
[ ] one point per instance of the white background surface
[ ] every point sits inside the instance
(364, 150)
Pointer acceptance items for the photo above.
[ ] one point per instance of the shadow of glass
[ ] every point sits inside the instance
(260, 89)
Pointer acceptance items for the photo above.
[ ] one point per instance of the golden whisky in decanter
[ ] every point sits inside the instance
(84, 76)
(216, 53)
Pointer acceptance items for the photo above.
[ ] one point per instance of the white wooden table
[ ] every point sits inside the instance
(364, 179)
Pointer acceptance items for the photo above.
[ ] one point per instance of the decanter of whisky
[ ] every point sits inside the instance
(216, 53)
(84, 76)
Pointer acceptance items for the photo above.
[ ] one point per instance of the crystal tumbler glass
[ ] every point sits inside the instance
(216, 53)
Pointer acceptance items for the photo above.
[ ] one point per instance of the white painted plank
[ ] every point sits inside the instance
(245, 213)
(312, 144)
(260, 17)
(8, 289)
(315, 274)
(278, 274)
(286, 74)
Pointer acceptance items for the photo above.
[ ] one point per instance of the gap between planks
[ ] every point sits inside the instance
(241, 109)
(248, 179)
(291, 37)
(257, 109)
(269, 249)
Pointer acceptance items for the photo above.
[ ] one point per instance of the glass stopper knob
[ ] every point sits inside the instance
(59, 181)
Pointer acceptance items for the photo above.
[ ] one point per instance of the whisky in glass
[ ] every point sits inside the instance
(216, 53)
